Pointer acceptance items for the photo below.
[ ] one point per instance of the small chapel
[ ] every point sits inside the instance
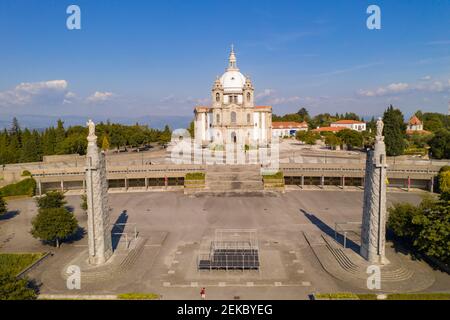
(232, 116)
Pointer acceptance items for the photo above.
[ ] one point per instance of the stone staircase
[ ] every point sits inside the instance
(123, 262)
(389, 273)
(233, 179)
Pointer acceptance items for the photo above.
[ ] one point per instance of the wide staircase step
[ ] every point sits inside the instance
(233, 178)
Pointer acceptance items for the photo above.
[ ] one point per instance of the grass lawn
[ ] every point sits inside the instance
(14, 263)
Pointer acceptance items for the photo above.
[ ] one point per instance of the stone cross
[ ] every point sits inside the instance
(99, 230)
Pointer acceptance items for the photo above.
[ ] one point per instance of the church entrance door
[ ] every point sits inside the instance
(233, 137)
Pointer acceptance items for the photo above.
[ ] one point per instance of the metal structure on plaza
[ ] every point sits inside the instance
(231, 249)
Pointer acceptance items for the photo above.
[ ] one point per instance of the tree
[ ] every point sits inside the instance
(3, 207)
(400, 219)
(308, 137)
(433, 237)
(440, 144)
(191, 129)
(105, 143)
(12, 288)
(350, 138)
(426, 227)
(444, 183)
(60, 136)
(332, 141)
(54, 225)
(52, 199)
(394, 131)
(303, 113)
(165, 136)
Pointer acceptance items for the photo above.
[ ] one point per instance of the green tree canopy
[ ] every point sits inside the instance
(351, 138)
(394, 131)
(52, 199)
(54, 225)
(426, 227)
(332, 140)
(12, 288)
(307, 137)
(440, 144)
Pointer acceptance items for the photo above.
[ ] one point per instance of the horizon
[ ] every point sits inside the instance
(157, 60)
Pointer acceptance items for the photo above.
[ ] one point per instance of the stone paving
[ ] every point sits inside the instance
(176, 226)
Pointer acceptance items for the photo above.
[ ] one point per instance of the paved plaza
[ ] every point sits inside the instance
(178, 227)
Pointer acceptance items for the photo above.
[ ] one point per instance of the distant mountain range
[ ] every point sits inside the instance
(44, 121)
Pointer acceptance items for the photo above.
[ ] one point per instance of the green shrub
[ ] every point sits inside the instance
(339, 295)
(138, 296)
(419, 296)
(278, 175)
(26, 173)
(25, 187)
(12, 288)
(195, 176)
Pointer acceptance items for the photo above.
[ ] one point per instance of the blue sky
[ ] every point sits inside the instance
(140, 58)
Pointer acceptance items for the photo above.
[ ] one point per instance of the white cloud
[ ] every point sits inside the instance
(392, 88)
(29, 92)
(265, 93)
(99, 96)
(437, 86)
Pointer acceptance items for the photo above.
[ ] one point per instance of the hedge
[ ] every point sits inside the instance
(25, 187)
(195, 176)
(138, 296)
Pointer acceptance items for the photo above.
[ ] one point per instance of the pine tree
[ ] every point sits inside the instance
(60, 135)
(394, 131)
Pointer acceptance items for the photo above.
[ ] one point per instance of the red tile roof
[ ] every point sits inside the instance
(329, 129)
(415, 121)
(288, 124)
(262, 107)
(347, 122)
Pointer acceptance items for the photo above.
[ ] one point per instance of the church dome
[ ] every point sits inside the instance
(232, 80)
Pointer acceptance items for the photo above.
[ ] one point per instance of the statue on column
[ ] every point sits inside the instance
(99, 229)
(373, 230)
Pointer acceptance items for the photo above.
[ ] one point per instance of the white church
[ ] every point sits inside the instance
(232, 116)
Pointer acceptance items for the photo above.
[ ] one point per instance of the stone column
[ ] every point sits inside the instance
(99, 229)
(373, 233)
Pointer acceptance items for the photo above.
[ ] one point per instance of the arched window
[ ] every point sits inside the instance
(217, 118)
(248, 117)
(233, 117)
(249, 96)
(217, 97)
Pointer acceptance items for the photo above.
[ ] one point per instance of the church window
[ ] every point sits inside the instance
(248, 118)
(217, 97)
(218, 118)
(248, 96)
(233, 117)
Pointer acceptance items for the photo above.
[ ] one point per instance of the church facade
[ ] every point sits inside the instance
(232, 116)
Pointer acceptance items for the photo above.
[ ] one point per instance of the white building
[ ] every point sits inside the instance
(350, 124)
(288, 128)
(232, 116)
